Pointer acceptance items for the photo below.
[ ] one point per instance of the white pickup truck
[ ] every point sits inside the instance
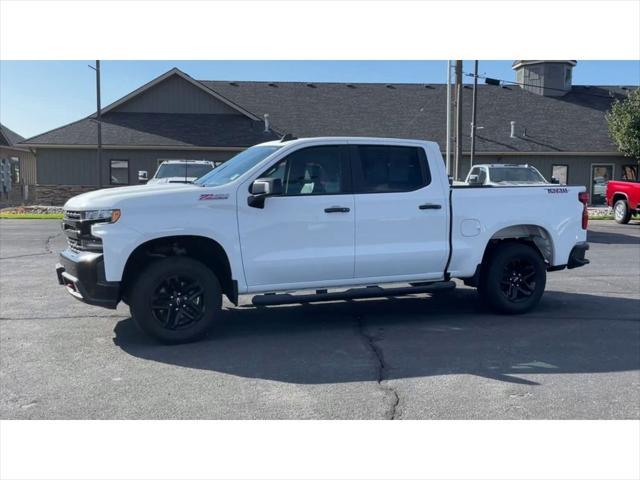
(341, 216)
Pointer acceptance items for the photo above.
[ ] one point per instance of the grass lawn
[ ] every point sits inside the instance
(32, 216)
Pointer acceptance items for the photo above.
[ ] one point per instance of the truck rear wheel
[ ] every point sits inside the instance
(621, 212)
(176, 300)
(513, 279)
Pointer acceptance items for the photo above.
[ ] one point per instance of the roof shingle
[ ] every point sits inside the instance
(574, 122)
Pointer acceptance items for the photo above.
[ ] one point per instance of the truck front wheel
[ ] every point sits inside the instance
(513, 278)
(621, 212)
(176, 300)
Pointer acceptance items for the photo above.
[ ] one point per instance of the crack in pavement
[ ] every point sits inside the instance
(372, 344)
(47, 242)
(47, 248)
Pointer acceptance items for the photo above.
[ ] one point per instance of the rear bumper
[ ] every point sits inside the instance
(577, 255)
(83, 276)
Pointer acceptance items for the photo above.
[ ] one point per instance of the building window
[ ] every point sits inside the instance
(119, 172)
(567, 77)
(600, 176)
(15, 170)
(560, 173)
(630, 173)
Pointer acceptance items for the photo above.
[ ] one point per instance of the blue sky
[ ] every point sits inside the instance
(36, 96)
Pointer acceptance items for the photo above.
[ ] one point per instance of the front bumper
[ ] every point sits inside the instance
(83, 276)
(576, 257)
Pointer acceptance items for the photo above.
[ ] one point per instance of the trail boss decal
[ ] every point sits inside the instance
(557, 190)
(214, 196)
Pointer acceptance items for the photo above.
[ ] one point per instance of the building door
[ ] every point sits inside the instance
(600, 176)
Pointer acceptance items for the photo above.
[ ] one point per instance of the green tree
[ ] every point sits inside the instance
(624, 124)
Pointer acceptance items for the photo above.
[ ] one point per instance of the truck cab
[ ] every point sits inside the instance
(504, 174)
(179, 171)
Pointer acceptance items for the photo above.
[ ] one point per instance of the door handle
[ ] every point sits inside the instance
(430, 206)
(337, 209)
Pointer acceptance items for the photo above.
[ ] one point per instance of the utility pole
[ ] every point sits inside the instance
(473, 113)
(448, 142)
(99, 122)
(458, 157)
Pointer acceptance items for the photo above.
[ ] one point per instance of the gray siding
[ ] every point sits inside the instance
(175, 95)
(546, 79)
(79, 166)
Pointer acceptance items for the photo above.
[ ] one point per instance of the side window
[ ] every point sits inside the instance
(313, 171)
(385, 169)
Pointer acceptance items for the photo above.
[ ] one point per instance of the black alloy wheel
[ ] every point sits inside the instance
(518, 280)
(512, 278)
(178, 302)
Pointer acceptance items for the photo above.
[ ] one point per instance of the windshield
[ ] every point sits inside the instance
(515, 174)
(183, 170)
(236, 166)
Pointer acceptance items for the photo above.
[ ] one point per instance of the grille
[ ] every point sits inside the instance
(74, 245)
(80, 245)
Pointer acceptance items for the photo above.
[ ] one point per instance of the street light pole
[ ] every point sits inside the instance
(99, 120)
(473, 113)
(448, 140)
(458, 157)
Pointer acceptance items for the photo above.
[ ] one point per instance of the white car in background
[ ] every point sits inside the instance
(178, 171)
(504, 174)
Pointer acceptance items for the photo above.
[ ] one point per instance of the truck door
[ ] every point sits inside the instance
(305, 235)
(401, 214)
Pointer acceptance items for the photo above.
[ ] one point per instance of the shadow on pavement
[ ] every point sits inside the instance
(613, 238)
(417, 337)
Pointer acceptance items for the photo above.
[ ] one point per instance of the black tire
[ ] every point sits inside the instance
(621, 212)
(176, 300)
(513, 278)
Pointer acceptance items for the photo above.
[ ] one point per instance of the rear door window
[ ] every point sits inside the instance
(386, 169)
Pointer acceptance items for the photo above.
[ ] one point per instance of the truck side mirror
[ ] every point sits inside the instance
(142, 176)
(474, 180)
(555, 180)
(261, 189)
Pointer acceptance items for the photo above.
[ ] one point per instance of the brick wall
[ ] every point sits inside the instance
(57, 195)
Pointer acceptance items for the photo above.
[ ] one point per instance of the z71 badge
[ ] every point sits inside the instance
(214, 196)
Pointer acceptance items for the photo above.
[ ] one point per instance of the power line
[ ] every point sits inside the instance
(495, 81)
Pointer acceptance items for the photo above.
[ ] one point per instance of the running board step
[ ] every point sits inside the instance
(352, 293)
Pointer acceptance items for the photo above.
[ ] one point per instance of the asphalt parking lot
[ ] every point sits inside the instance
(577, 356)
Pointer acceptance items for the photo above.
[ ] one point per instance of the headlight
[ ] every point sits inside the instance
(105, 215)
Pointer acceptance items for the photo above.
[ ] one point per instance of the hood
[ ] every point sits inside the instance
(113, 197)
(155, 181)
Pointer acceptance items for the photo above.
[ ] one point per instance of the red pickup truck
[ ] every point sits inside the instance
(624, 197)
